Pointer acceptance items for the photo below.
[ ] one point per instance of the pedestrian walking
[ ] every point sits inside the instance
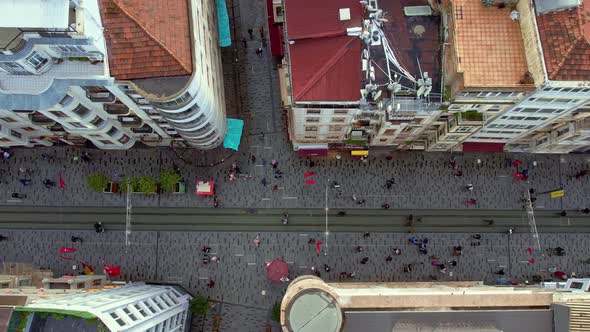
(285, 218)
(457, 250)
(206, 249)
(408, 268)
(261, 31)
(354, 197)
(388, 259)
(245, 42)
(471, 201)
(211, 284)
(274, 163)
(397, 252)
(48, 183)
(469, 187)
(385, 206)
(205, 260)
(251, 33)
(3, 238)
(413, 240)
(311, 241)
(77, 239)
(585, 210)
(453, 263)
(359, 249)
(215, 202)
(563, 213)
(327, 268)
(24, 182)
(259, 51)
(367, 235)
(364, 260)
(477, 236)
(17, 195)
(98, 227)
(257, 241)
(262, 134)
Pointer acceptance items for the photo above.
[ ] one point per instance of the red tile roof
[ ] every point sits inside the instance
(325, 61)
(147, 38)
(565, 37)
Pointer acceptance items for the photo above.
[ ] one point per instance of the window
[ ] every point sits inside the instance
(310, 137)
(97, 121)
(28, 129)
(333, 137)
(77, 125)
(338, 119)
(66, 100)
(105, 142)
(112, 131)
(529, 110)
(36, 60)
(314, 119)
(383, 140)
(13, 68)
(81, 111)
(314, 112)
(124, 139)
(495, 108)
(130, 314)
(4, 139)
(533, 118)
(336, 128)
(464, 129)
(140, 310)
(455, 107)
(59, 114)
(311, 128)
(16, 134)
(341, 112)
(8, 119)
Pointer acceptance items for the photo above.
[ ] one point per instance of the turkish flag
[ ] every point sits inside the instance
(65, 250)
(310, 181)
(62, 184)
(308, 174)
(112, 271)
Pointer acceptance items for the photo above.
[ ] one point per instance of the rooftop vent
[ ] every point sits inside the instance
(344, 14)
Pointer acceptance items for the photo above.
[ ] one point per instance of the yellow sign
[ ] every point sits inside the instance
(557, 193)
(359, 153)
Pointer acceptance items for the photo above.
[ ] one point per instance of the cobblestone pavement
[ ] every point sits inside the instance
(240, 275)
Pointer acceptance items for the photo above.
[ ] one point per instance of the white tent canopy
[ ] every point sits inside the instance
(44, 14)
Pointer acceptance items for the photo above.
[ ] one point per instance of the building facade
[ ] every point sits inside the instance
(531, 91)
(356, 80)
(106, 72)
(310, 304)
(133, 307)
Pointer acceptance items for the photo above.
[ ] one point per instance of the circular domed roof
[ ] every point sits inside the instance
(314, 310)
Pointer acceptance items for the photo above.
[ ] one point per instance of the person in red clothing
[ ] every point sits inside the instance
(560, 275)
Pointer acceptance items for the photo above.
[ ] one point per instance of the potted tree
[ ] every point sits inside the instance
(147, 185)
(170, 181)
(99, 182)
(131, 182)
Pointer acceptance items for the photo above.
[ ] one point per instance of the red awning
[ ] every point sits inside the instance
(483, 147)
(313, 152)
(275, 33)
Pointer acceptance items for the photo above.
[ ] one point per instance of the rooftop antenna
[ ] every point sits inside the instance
(128, 213)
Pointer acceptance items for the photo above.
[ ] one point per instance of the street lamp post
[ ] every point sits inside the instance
(326, 211)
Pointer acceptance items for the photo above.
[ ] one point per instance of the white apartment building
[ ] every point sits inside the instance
(107, 72)
(551, 119)
(135, 307)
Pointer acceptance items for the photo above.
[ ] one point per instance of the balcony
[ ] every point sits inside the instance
(99, 95)
(145, 129)
(130, 121)
(40, 119)
(116, 109)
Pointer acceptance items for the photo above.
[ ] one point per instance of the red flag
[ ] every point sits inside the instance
(65, 250)
(532, 260)
(310, 181)
(529, 250)
(318, 246)
(62, 184)
(112, 271)
(308, 174)
(87, 269)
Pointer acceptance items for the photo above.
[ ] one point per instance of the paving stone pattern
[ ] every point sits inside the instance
(240, 274)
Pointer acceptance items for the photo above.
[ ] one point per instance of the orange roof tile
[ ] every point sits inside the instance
(489, 45)
(565, 37)
(147, 38)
